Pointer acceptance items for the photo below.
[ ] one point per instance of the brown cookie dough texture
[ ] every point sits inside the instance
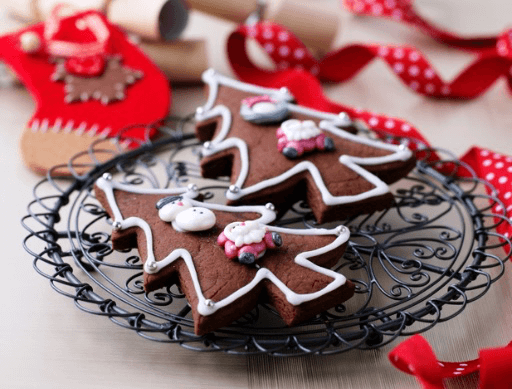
(266, 162)
(218, 276)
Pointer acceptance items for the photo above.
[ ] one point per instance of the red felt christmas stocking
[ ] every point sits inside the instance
(89, 82)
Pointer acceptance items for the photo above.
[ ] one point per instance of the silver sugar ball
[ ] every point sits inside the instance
(209, 303)
(340, 230)
(107, 176)
(151, 266)
(199, 111)
(116, 225)
(234, 188)
(192, 187)
(207, 145)
(270, 206)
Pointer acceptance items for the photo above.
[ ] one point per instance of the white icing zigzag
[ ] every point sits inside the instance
(207, 307)
(329, 122)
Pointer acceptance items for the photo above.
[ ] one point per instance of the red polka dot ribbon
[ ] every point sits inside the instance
(495, 168)
(409, 64)
(415, 356)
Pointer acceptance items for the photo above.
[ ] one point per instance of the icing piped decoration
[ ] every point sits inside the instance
(248, 241)
(263, 110)
(295, 137)
(194, 219)
(192, 258)
(183, 216)
(170, 206)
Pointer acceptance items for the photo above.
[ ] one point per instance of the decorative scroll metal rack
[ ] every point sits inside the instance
(415, 265)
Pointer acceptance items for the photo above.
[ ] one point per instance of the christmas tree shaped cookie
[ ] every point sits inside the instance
(276, 151)
(226, 259)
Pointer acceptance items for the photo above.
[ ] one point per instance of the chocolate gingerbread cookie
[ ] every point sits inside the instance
(226, 259)
(277, 151)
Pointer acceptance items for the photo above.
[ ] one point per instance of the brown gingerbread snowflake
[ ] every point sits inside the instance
(107, 87)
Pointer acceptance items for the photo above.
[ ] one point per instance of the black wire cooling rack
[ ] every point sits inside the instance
(415, 265)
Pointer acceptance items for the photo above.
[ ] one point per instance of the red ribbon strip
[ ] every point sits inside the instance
(408, 63)
(415, 356)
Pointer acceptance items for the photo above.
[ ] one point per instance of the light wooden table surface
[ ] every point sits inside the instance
(45, 342)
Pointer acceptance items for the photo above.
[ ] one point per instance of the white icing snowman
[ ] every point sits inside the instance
(183, 216)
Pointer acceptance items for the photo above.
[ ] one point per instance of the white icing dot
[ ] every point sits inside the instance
(373, 121)
(509, 169)
(269, 47)
(496, 156)
(299, 53)
(315, 70)
(506, 234)
(284, 51)
(377, 9)
(389, 124)
(508, 159)
(414, 56)
(484, 153)
(283, 36)
(498, 208)
(398, 67)
(457, 373)
(414, 70)
(503, 179)
(383, 51)
(441, 364)
(463, 364)
(509, 208)
(499, 165)
(414, 85)
(445, 90)
(460, 369)
(398, 53)
(430, 88)
(507, 195)
(268, 34)
(406, 127)
(487, 162)
(429, 73)
(489, 176)
(397, 14)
